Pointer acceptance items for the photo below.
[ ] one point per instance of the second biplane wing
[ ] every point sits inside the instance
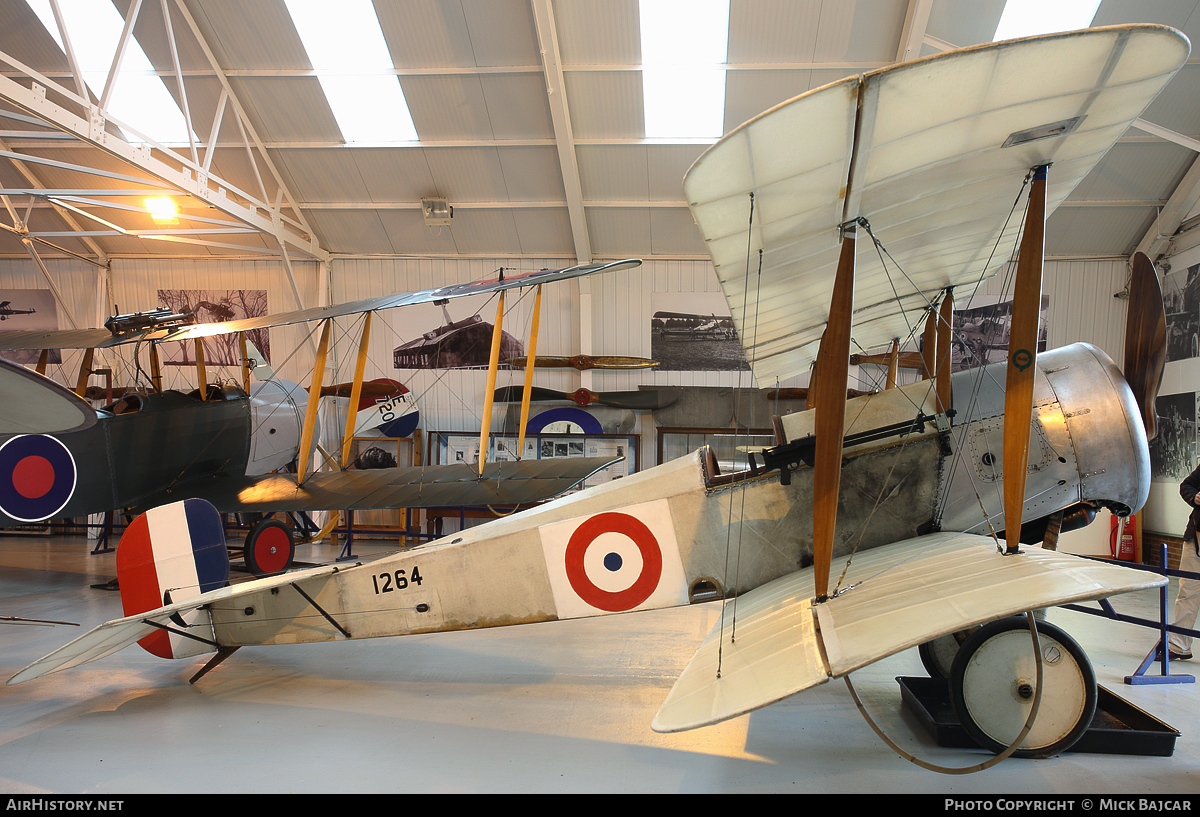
(899, 596)
(102, 338)
(927, 152)
(431, 486)
(504, 282)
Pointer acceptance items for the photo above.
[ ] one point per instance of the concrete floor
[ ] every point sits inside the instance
(559, 707)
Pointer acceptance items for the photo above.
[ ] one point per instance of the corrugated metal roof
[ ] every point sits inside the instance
(484, 107)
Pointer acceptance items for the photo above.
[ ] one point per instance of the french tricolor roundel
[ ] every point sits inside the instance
(37, 477)
(614, 561)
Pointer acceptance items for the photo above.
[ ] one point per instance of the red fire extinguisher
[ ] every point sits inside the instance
(1124, 538)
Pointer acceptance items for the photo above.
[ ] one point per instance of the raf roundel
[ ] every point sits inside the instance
(37, 477)
(588, 575)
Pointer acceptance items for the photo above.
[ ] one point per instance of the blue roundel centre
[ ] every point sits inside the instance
(613, 562)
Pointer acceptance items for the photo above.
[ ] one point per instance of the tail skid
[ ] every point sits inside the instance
(120, 633)
(172, 565)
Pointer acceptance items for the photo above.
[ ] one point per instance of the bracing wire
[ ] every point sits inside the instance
(742, 492)
(885, 256)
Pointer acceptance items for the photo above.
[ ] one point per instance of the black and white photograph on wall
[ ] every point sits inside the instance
(981, 332)
(1181, 300)
(452, 335)
(1173, 450)
(28, 310)
(216, 306)
(694, 332)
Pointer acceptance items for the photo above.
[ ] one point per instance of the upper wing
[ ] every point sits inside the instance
(60, 339)
(910, 592)
(34, 404)
(432, 486)
(401, 299)
(919, 150)
(100, 338)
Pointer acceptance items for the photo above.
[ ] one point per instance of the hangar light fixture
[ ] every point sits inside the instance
(436, 212)
(1026, 18)
(351, 59)
(162, 209)
(685, 44)
(139, 98)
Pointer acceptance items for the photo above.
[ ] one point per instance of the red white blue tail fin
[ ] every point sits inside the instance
(168, 555)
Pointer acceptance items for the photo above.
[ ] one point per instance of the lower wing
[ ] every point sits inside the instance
(899, 596)
(432, 486)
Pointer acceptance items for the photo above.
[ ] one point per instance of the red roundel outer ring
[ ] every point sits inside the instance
(46, 500)
(635, 530)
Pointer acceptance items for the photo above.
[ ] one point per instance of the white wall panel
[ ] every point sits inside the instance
(81, 287)
(133, 287)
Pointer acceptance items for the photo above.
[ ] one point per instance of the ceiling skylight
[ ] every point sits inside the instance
(685, 44)
(1027, 18)
(348, 54)
(139, 98)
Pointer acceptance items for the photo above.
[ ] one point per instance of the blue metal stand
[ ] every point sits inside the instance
(1139, 676)
(348, 543)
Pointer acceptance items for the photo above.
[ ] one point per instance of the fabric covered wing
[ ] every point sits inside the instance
(900, 595)
(57, 339)
(401, 299)
(101, 338)
(924, 163)
(776, 654)
(433, 486)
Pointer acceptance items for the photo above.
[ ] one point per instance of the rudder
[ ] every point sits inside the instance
(169, 554)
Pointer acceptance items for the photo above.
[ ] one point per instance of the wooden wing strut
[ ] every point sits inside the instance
(489, 392)
(1022, 354)
(530, 364)
(360, 366)
(945, 332)
(314, 401)
(833, 364)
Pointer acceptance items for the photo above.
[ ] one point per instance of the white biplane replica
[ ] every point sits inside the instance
(920, 496)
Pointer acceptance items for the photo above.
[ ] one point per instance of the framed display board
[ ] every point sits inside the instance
(729, 445)
(463, 447)
(386, 452)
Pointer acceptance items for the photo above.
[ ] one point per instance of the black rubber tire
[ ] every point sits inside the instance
(937, 656)
(269, 547)
(991, 688)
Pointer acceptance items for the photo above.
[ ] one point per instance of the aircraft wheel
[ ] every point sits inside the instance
(269, 548)
(937, 656)
(992, 688)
